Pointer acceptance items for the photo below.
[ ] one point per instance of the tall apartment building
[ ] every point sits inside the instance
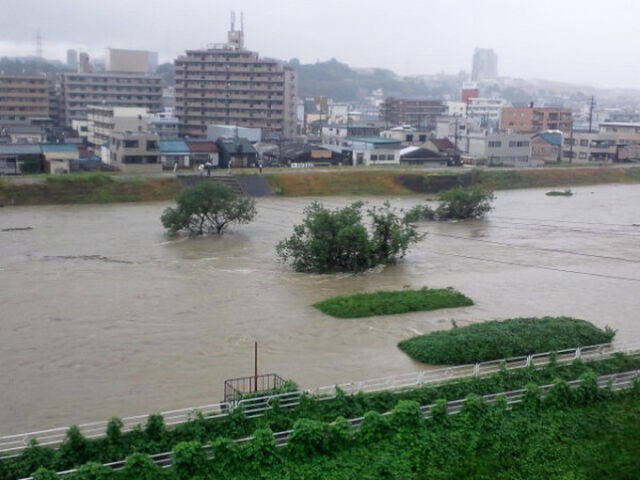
(229, 85)
(535, 119)
(23, 97)
(406, 111)
(116, 90)
(484, 65)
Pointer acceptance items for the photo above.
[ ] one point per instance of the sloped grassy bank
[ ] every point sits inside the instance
(391, 302)
(87, 188)
(154, 437)
(502, 339)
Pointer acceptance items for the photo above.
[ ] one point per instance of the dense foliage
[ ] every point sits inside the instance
(154, 437)
(464, 203)
(208, 207)
(337, 240)
(502, 339)
(581, 434)
(391, 302)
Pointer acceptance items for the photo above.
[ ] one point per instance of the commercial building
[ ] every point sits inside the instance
(165, 125)
(335, 134)
(535, 119)
(407, 134)
(72, 60)
(418, 113)
(16, 159)
(485, 65)
(229, 85)
(214, 132)
(485, 111)
(496, 149)
(103, 120)
(372, 151)
(78, 90)
(22, 98)
(237, 152)
(613, 142)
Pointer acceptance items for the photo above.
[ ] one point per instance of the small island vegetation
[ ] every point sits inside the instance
(338, 240)
(208, 207)
(559, 193)
(391, 302)
(455, 204)
(503, 339)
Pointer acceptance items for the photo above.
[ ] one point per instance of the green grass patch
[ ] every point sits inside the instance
(502, 339)
(391, 302)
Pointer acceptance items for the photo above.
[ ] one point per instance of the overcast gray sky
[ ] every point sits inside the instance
(583, 41)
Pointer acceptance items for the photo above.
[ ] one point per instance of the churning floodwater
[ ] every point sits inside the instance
(103, 315)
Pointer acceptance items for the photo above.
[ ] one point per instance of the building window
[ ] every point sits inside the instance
(422, 138)
(375, 157)
(131, 144)
(152, 145)
(582, 155)
(495, 144)
(409, 138)
(584, 143)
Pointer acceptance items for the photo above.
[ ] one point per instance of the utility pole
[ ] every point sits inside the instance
(255, 366)
(591, 105)
(571, 144)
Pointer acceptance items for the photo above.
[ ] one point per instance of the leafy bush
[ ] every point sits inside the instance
(389, 303)
(93, 179)
(461, 204)
(337, 240)
(558, 193)
(502, 339)
(208, 207)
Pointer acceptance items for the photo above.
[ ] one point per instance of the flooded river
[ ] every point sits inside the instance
(101, 314)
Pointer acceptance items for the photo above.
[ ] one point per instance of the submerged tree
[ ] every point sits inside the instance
(463, 203)
(337, 240)
(206, 208)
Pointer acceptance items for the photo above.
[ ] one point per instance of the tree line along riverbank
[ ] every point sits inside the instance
(105, 188)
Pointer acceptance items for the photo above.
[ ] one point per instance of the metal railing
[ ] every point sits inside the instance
(256, 406)
(615, 381)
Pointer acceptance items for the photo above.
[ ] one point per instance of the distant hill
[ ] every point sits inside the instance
(30, 65)
(343, 83)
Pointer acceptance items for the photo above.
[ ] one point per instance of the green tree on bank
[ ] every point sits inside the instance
(337, 240)
(455, 204)
(208, 207)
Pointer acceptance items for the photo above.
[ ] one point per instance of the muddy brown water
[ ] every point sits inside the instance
(102, 315)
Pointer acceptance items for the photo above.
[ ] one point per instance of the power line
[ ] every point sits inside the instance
(541, 267)
(554, 250)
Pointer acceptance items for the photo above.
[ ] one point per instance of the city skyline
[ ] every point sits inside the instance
(571, 42)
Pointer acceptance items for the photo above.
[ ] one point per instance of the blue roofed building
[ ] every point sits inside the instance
(174, 151)
(547, 147)
(58, 156)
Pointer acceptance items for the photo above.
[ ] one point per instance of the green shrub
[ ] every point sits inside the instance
(90, 179)
(391, 302)
(309, 437)
(189, 460)
(502, 339)
(461, 204)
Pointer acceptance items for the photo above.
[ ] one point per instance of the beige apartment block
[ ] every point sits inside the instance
(103, 120)
(228, 85)
(135, 152)
(23, 97)
(79, 90)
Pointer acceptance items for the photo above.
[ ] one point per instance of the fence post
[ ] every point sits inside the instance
(578, 352)
(528, 360)
(476, 370)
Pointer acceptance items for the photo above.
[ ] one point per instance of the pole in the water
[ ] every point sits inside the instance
(255, 366)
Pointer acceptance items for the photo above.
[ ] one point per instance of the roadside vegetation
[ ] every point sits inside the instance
(338, 240)
(155, 437)
(208, 207)
(391, 302)
(497, 339)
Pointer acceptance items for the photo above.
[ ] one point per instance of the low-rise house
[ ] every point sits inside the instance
(135, 152)
(407, 134)
(546, 147)
(59, 156)
(202, 152)
(336, 134)
(174, 151)
(496, 149)
(17, 159)
(24, 133)
(415, 155)
(236, 151)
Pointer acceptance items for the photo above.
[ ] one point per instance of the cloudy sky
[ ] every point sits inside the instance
(584, 41)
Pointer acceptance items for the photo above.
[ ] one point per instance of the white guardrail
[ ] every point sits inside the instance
(256, 406)
(615, 381)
